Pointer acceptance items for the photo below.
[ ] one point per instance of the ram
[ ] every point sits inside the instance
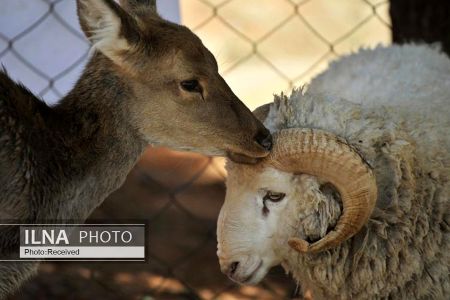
(354, 199)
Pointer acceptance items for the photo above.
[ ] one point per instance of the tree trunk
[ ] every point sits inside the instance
(421, 21)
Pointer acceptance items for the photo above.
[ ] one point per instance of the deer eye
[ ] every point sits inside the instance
(273, 196)
(191, 86)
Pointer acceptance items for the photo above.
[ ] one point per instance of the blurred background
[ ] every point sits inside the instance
(262, 47)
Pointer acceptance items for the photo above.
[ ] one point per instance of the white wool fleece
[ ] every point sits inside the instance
(393, 105)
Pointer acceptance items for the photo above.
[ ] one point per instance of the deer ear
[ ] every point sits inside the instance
(139, 7)
(110, 29)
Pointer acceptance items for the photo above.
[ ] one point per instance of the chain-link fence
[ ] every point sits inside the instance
(263, 46)
(267, 46)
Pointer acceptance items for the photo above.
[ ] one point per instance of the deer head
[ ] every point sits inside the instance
(176, 96)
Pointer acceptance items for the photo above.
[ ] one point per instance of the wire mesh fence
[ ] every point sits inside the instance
(270, 46)
(295, 14)
(180, 194)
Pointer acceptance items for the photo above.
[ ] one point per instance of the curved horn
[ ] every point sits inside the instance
(324, 155)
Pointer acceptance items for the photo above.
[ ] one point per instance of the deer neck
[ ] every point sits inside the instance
(97, 144)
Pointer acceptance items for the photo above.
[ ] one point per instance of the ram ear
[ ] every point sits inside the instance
(110, 29)
(262, 112)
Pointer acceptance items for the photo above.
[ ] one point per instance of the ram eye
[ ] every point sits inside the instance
(191, 86)
(274, 197)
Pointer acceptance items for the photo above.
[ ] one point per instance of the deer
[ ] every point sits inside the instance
(148, 82)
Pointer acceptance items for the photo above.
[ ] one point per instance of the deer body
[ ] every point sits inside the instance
(149, 81)
(66, 158)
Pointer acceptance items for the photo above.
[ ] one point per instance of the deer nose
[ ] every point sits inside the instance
(264, 139)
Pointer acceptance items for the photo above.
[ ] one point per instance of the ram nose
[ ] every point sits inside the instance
(248, 271)
(230, 269)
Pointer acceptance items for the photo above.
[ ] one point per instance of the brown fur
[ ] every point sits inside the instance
(59, 163)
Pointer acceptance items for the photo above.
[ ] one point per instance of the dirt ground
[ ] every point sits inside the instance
(180, 196)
